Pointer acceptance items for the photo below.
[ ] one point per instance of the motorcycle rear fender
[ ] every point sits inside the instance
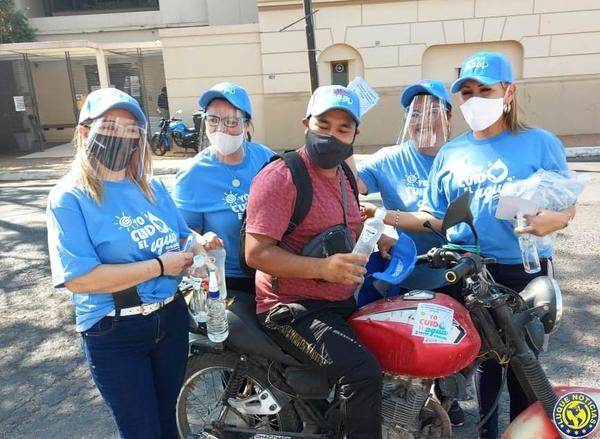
(533, 422)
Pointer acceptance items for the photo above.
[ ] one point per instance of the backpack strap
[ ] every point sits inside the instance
(351, 179)
(304, 189)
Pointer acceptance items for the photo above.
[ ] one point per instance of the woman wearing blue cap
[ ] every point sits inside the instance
(400, 173)
(212, 190)
(114, 237)
(498, 149)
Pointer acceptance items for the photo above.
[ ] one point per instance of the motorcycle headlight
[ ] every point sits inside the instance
(544, 293)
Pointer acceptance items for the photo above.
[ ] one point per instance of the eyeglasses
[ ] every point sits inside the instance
(213, 121)
(417, 115)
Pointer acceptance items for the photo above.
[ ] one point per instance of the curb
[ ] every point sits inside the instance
(33, 174)
(582, 153)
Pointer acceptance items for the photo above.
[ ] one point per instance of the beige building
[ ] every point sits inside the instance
(190, 45)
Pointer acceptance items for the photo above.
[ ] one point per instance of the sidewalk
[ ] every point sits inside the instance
(54, 162)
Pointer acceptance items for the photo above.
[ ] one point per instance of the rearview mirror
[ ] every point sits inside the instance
(459, 211)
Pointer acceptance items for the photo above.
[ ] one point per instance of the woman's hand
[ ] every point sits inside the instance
(175, 263)
(385, 245)
(545, 222)
(367, 210)
(208, 241)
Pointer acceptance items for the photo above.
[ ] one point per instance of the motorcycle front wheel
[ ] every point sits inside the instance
(157, 145)
(200, 404)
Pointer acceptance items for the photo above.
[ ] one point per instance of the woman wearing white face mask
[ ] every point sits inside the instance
(211, 191)
(498, 149)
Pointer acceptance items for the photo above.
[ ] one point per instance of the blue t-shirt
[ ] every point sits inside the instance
(482, 167)
(399, 173)
(209, 202)
(126, 227)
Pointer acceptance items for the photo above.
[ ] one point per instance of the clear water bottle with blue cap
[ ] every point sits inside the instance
(216, 262)
(217, 327)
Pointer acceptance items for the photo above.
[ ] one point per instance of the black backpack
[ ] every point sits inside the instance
(304, 195)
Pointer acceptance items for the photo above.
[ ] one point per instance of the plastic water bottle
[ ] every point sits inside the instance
(197, 275)
(529, 253)
(216, 325)
(371, 232)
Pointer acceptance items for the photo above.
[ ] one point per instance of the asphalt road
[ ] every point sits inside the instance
(46, 390)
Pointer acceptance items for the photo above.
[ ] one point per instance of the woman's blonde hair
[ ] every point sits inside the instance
(511, 118)
(84, 172)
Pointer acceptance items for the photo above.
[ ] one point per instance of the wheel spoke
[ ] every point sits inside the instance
(203, 403)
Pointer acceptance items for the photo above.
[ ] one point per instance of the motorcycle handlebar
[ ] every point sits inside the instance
(465, 267)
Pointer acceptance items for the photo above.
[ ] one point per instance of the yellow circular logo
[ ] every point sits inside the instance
(576, 414)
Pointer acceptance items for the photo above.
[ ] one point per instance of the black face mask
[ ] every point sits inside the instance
(113, 152)
(327, 151)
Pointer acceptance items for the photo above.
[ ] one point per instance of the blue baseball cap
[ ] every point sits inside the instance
(100, 101)
(426, 86)
(404, 258)
(235, 94)
(484, 67)
(334, 97)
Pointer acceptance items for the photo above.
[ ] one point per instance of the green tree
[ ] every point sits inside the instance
(14, 27)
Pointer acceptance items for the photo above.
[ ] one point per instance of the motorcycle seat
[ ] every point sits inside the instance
(247, 335)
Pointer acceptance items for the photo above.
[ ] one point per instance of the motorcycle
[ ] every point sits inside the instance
(173, 130)
(250, 387)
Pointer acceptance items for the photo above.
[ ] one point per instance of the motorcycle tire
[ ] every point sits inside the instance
(199, 405)
(158, 147)
(177, 138)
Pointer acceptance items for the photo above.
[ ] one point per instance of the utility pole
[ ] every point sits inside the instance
(310, 43)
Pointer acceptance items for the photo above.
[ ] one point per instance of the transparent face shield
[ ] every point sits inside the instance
(225, 128)
(426, 124)
(116, 147)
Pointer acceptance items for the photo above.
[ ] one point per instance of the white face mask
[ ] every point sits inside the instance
(480, 113)
(224, 143)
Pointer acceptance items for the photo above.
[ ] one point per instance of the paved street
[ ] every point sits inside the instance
(46, 390)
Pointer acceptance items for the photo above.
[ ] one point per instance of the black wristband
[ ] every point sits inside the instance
(162, 267)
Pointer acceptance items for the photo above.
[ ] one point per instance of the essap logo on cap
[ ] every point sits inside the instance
(479, 62)
(343, 96)
(229, 89)
(575, 414)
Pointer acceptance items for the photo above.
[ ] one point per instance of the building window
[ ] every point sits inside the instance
(339, 73)
(67, 7)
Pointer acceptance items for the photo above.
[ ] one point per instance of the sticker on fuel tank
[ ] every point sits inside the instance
(407, 316)
(434, 323)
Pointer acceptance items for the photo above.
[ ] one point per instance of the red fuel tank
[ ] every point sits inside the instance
(421, 334)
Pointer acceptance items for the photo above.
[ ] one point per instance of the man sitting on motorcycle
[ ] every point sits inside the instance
(304, 293)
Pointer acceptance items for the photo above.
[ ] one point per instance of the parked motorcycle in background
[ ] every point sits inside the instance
(175, 131)
(249, 387)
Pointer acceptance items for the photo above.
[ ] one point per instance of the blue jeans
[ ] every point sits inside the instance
(138, 364)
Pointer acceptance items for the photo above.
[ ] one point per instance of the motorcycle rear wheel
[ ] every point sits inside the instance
(199, 402)
(157, 145)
